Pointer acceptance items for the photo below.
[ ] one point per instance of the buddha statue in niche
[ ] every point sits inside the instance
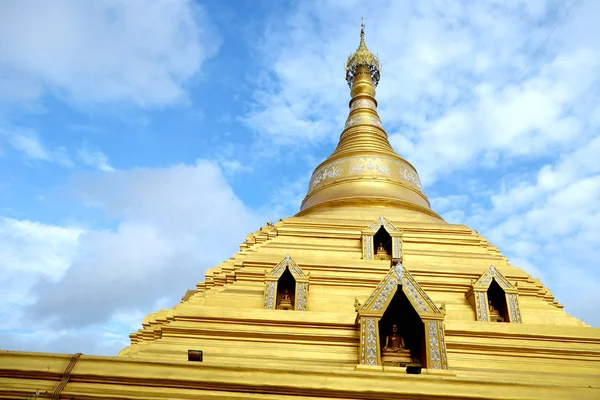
(285, 301)
(394, 352)
(381, 253)
(494, 314)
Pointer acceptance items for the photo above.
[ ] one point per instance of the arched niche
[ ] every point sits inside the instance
(286, 276)
(492, 287)
(381, 231)
(399, 292)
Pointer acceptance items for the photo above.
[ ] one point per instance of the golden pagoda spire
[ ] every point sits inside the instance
(362, 57)
(364, 170)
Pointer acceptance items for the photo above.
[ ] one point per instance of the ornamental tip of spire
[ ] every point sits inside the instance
(362, 33)
(362, 57)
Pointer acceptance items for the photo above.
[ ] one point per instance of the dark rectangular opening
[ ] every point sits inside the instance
(195, 355)
(413, 369)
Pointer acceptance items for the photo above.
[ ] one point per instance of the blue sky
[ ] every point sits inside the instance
(141, 141)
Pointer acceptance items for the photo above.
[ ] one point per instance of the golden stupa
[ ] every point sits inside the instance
(366, 293)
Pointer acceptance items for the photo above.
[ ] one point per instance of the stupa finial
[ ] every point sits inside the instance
(362, 32)
(362, 57)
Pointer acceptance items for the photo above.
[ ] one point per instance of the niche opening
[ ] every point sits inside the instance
(286, 291)
(411, 348)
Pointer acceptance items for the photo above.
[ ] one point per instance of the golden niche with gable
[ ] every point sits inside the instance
(399, 324)
(286, 286)
(494, 298)
(385, 236)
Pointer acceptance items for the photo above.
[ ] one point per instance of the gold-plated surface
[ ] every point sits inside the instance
(364, 168)
(329, 344)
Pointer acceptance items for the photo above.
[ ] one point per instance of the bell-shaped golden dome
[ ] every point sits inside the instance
(364, 171)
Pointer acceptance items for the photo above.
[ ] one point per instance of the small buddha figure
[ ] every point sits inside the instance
(494, 314)
(381, 252)
(394, 352)
(285, 301)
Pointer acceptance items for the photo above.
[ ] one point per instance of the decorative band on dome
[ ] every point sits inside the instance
(349, 167)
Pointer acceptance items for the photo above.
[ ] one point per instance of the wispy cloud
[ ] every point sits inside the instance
(27, 142)
(95, 159)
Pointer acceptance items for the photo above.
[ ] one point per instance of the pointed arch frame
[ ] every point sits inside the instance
(369, 233)
(272, 279)
(478, 298)
(372, 311)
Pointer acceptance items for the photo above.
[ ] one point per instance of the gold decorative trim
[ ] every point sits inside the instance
(363, 119)
(367, 241)
(382, 221)
(369, 347)
(396, 247)
(290, 264)
(301, 295)
(363, 103)
(482, 308)
(513, 305)
(372, 165)
(385, 290)
(485, 280)
(270, 294)
(436, 351)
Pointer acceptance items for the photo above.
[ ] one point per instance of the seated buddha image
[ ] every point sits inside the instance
(381, 253)
(394, 351)
(494, 314)
(285, 301)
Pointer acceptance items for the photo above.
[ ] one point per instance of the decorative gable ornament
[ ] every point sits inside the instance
(372, 311)
(272, 278)
(478, 297)
(369, 234)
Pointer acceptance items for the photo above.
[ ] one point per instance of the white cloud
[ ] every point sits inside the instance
(95, 159)
(571, 167)
(36, 247)
(170, 225)
(27, 142)
(141, 51)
